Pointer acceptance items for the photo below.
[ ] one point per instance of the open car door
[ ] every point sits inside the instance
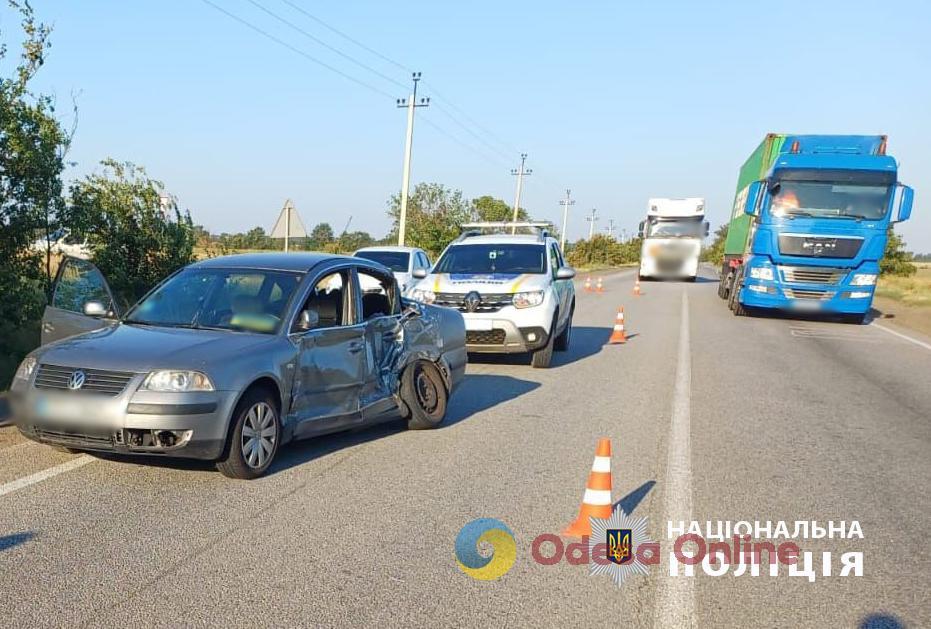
(81, 301)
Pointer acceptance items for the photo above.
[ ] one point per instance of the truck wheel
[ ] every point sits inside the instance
(424, 392)
(254, 438)
(562, 341)
(542, 358)
(734, 297)
(855, 319)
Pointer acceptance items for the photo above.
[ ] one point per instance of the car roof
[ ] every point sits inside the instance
(501, 239)
(272, 261)
(389, 248)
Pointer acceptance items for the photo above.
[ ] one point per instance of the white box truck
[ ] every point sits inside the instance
(672, 237)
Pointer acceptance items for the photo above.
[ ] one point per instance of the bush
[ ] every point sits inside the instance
(896, 260)
(602, 250)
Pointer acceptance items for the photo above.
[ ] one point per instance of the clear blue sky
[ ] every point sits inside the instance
(619, 101)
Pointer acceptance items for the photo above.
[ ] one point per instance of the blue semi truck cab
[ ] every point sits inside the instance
(819, 225)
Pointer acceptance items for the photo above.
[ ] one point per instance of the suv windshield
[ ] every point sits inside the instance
(225, 299)
(397, 261)
(492, 258)
(825, 199)
(676, 228)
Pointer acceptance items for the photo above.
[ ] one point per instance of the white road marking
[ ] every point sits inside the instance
(38, 477)
(902, 336)
(675, 596)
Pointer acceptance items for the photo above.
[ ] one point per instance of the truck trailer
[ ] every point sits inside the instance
(672, 235)
(809, 224)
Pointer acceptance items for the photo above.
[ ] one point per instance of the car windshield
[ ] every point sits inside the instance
(690, 228)
(228, 299)
(493, 258)
(397, 261)
(826, 199)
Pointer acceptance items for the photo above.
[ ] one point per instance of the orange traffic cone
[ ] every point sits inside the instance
(619, 335)
(600, 287)
(597, 500)
(637, 287)
(588, 284)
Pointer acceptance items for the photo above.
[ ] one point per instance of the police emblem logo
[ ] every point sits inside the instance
(619, 545)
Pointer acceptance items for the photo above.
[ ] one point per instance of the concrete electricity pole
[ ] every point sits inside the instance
(565, 218)
(591, 220)
(520, 173)
(610, 228)
(410, 103)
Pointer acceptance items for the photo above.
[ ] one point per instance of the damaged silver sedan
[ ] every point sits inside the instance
(231, 358)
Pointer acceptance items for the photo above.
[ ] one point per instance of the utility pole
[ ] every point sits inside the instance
(591, 220)
(565, 218)
(520, 173)
(410, 103)
(610, 228)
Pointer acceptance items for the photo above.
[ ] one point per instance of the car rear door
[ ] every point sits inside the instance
(332, 363)
(77, 283)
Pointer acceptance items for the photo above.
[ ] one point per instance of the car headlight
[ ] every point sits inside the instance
(863, 279)
(762, 273)
(528, 299)
(25, 370)
(424, 296)
(177, 381)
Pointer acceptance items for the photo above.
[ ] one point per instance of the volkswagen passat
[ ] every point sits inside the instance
(230, 358)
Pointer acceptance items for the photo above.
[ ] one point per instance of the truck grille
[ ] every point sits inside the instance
(812, 275)
(490, 302)
(485, 337)
(96, 380)
(795, 293)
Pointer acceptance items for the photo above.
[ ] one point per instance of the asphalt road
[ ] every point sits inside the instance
(711, 417)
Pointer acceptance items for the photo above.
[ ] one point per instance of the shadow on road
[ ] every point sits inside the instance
(629, 502)
(477, 393)
(9, 541)
(585, 341)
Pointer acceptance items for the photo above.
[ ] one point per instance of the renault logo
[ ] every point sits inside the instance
(472, 301)
(77, 380)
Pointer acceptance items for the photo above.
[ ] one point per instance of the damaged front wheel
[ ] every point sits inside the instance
(424, 392)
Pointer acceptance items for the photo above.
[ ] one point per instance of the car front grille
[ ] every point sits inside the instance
(489, 302)
(485, 337)
(812, 275)
(795, 293)
(100, 381)
(67, 438)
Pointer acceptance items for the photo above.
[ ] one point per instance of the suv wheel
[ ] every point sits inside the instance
(562, 341)
(542, 358)
(254, 439)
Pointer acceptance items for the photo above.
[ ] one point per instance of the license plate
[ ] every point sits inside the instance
(478, 325)
(807, 304)
(55, 408)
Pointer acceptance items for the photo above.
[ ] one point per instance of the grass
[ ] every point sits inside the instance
(911, 291)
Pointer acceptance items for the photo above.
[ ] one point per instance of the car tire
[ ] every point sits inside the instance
(562, 341)
(541, 358)
(249, 455)
(424, 392)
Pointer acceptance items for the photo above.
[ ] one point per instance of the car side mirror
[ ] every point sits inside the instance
(308, 320)
(95, 309)
(565, 273)
(905, 204)
(419, 273)
(754, 192)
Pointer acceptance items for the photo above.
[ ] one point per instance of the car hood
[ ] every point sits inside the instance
(127, 347)
(483, 282)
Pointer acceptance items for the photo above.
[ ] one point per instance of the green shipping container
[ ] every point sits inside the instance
(754, 169)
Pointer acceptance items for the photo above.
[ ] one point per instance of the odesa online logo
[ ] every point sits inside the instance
(504, 549)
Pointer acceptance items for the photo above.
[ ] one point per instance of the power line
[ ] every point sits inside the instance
(319, 41)
(470, 131)
(469, 147)
(281, 42)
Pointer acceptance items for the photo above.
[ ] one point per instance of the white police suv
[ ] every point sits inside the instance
(514, 290)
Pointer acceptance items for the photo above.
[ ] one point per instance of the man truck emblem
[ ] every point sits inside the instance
(818, 247)
(77, 380)
(619, 547)
(472, 301)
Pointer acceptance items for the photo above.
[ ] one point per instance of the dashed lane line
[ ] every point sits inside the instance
(38, 477)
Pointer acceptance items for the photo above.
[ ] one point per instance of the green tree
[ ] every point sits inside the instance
(434, 214)
(320, 236)
(136, 237)
(715, 252)
(32, 145)
(351, 241)
(896, 260)
(489, 209)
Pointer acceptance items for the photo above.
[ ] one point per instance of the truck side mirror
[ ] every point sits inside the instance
(707, 228)
(754, 192)
(905, 204)
(640, 230)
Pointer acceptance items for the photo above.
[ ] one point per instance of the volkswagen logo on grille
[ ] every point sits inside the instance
(472, 301)
(77, 380)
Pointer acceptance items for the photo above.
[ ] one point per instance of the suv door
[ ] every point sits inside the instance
(380, 309)
(332, 359)
(76, 283)
(563, 288)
